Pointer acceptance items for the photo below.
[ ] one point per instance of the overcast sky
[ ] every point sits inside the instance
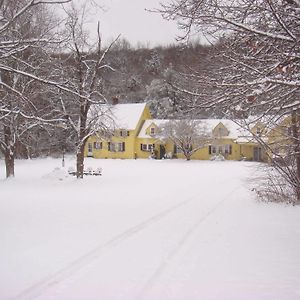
(130, 19)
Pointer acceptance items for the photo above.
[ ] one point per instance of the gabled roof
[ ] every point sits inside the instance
(127, 116)
(147, 124)
(119, 116)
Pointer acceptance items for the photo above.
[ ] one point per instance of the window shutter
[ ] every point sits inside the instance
(127, 133)
(123, 146)
(108, 146)
(230, 149)
(142, 147)
(101, 145)
(209, 149)
(175, 149)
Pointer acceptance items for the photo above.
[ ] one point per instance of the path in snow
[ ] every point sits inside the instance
(55, 279)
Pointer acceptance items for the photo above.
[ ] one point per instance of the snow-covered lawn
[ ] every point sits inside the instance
(146, 229)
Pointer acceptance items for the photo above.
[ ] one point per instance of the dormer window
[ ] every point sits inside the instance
(152, 130)
(221, 131)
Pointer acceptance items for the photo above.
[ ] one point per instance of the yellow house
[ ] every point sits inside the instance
(137, 135)
(128, 120)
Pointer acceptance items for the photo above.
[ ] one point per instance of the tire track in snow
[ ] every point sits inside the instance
(171, 255)
(85, 260)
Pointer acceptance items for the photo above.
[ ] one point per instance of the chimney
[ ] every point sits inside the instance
(115, 100)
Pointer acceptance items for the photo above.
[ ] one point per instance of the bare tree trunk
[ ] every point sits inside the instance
(9, 164)
(9, 153)
(80, 161)
(295, 128)
(187, 155)
(82, 141)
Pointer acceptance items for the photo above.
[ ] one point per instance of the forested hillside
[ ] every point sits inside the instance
(152, 75)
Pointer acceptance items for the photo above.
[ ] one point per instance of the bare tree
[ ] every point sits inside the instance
(258, 54)
(255, 55)
(82, 67)
(188, 136)
(24, 31)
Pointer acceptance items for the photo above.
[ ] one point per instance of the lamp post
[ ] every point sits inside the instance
(63, 157)
(64, 127)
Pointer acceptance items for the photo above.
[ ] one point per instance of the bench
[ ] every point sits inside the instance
(88, 171)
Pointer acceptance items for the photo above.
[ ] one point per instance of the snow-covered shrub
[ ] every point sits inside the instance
(218, 157)
(57, 174)
(168, 155)
(274, 187)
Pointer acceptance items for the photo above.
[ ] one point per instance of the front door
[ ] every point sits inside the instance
(162, 151)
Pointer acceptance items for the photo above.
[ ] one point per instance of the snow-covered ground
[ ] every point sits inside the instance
(146, 229)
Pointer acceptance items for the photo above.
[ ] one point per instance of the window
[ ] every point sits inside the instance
(124, 133)
(221, 131)
(121, 147)
(111, 147)
(213, 149)
(220, 149)
(147, 147)
(116, 147)
(227, 149)
(98, 145)
(90, 147)
(152, 130)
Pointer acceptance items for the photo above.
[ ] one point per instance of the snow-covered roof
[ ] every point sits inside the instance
(127, 116)
(234, 129)
(121, 116)
(249, 139)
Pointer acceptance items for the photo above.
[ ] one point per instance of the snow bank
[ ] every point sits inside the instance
(57, 174)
